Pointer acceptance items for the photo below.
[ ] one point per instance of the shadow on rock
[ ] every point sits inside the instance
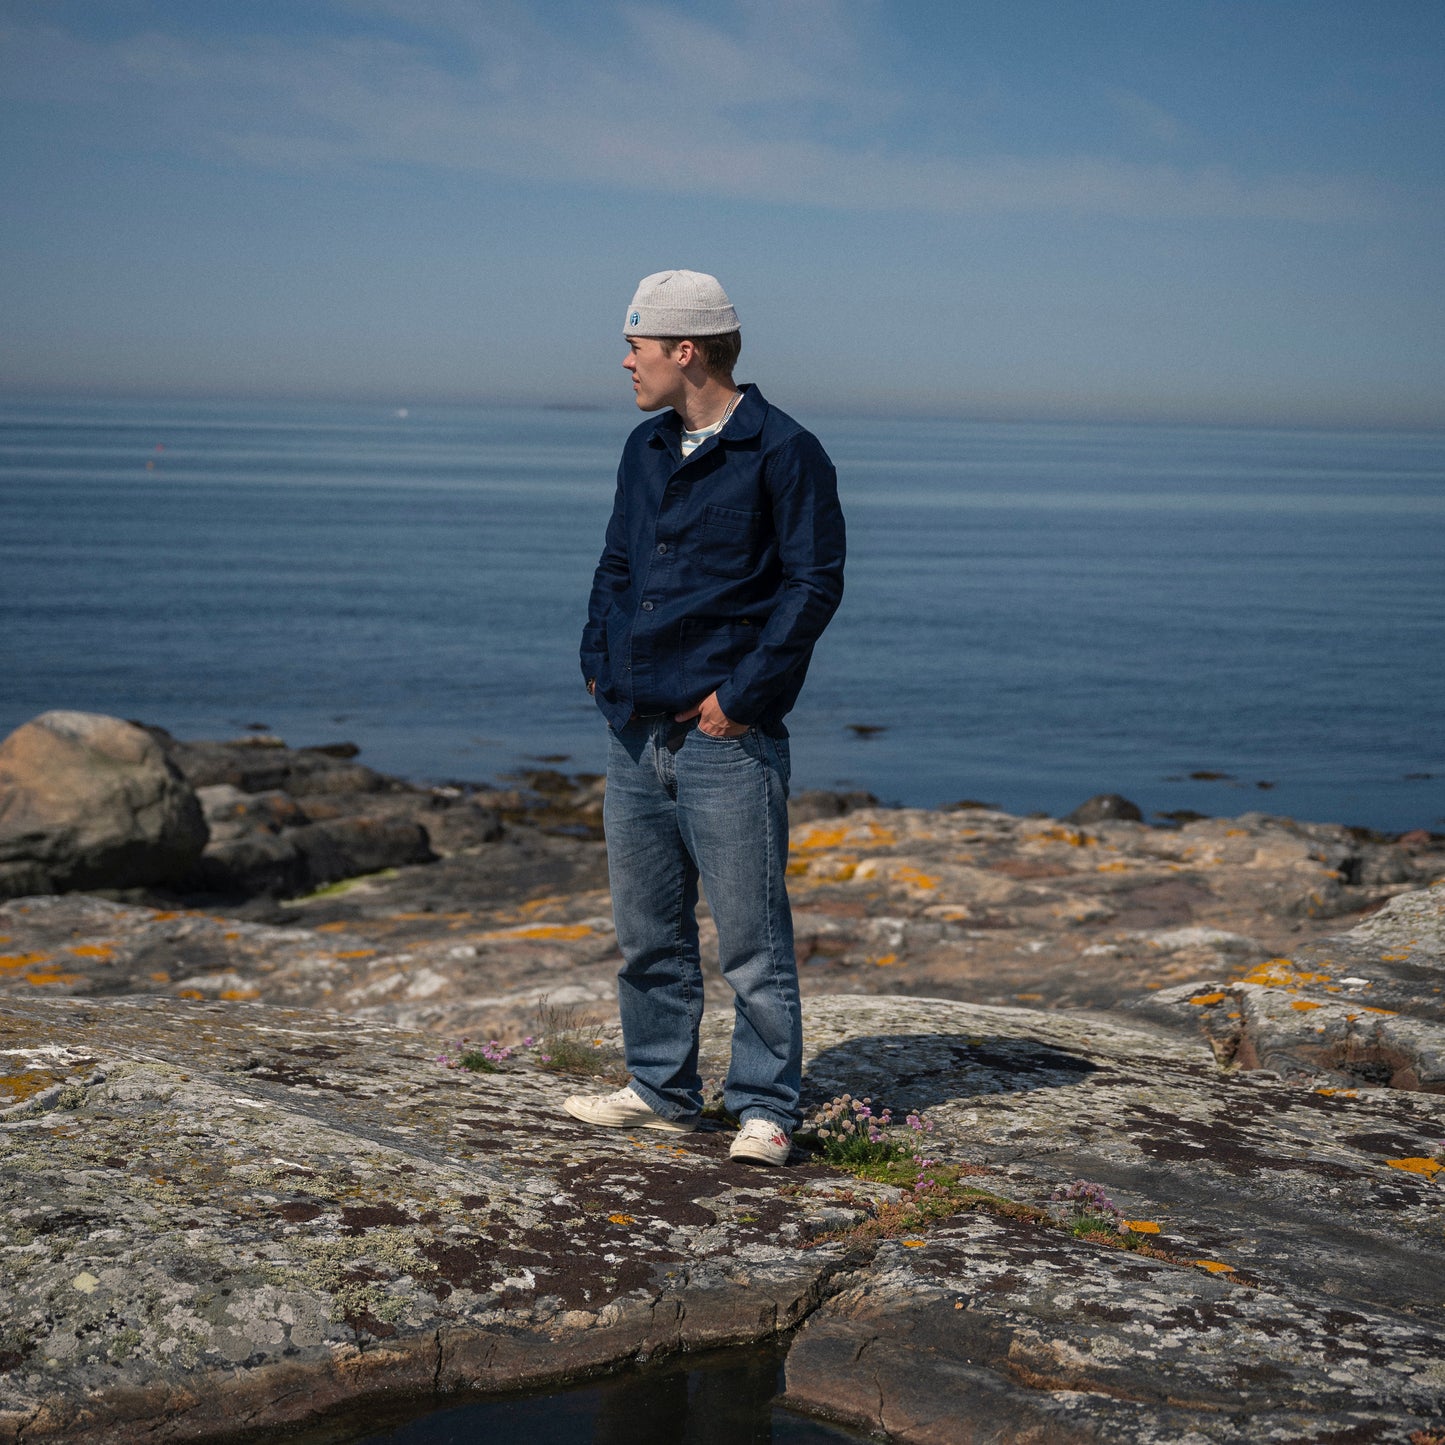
(919, 1071)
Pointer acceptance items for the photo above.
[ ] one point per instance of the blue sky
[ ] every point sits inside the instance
(1226, 210)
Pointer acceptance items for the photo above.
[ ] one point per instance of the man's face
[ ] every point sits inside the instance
(656, 376)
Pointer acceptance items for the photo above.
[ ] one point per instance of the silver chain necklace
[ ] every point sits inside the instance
(717, 426)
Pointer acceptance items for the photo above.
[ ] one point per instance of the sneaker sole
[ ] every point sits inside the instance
(654, 1121)
(749, 1156)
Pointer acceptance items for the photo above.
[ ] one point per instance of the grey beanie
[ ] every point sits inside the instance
(680, 303)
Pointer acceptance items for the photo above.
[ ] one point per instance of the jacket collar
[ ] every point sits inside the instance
(745, 422)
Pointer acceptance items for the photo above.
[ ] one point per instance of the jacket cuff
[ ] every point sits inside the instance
(736, 707)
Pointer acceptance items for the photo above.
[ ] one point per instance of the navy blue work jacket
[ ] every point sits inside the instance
(719, 572)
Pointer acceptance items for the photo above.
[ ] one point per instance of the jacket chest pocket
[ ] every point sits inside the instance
(727, 543)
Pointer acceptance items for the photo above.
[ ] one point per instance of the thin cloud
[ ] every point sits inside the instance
(498, 94)
(1146, 119)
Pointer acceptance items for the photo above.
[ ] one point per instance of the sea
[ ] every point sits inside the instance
(1203, 619)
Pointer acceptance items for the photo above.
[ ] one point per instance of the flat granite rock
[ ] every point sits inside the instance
(227, 1215)
(223, 1215)
(1304, 1299)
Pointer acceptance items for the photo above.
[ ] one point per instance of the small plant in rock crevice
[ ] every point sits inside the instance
(872, 1144)
(1091, 1211)
(568, 1044)
(848, 1132)
(563, 1044)
(1093, 1216)
(481, 1058)
(875, 1145)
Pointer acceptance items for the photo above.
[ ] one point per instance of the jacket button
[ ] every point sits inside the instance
(647, 607)
(662, 549)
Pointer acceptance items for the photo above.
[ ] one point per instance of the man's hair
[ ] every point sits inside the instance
(719, 353)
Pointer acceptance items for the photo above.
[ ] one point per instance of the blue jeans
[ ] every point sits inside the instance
(680, 806)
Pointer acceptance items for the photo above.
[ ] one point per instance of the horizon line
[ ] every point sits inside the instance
(994, 413)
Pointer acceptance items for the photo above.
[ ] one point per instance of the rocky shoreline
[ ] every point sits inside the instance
(245, 1184)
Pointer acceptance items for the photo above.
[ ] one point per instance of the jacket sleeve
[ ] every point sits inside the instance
(803, 488)
(609, 582)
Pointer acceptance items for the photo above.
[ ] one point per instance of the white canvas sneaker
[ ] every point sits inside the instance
(760, 1141)
(624, 1110)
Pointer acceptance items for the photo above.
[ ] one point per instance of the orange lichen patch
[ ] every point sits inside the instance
(1332, 988)
(51, 976)
(1281, 973)
(815, 837)
(16, 1088)
(1029, 997)
(356, 953)
(190, 993)
(1208, 998)
(165, 916)
(1236, 833)
(552, 932)
(14, 962)
(94, 950)
(1141, 1226)
(230, 937)
(1303, 1005)
(239, 994)
(1153, 985)
(887, 960)
(1074, 837)
(1388, 1012)
(1401, 957)
(810, 838)
(620, 1219)
(1339, 1093)
(913, 1243)
(536, 905)
(1234, 1016)
(1117, 866)
(336, 927)
(1213, 1266)
(160, 976)
(1428, 1167)
(4, 938)
(832, 870)
(914, 878)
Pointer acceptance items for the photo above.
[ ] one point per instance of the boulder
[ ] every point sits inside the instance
(264, 763)
(814, 803)
(1103, 806)
(287, 861)
(88, 801)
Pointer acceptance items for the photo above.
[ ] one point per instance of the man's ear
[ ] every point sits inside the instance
(683, 353)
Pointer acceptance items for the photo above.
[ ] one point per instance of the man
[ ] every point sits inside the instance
(722, 566)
